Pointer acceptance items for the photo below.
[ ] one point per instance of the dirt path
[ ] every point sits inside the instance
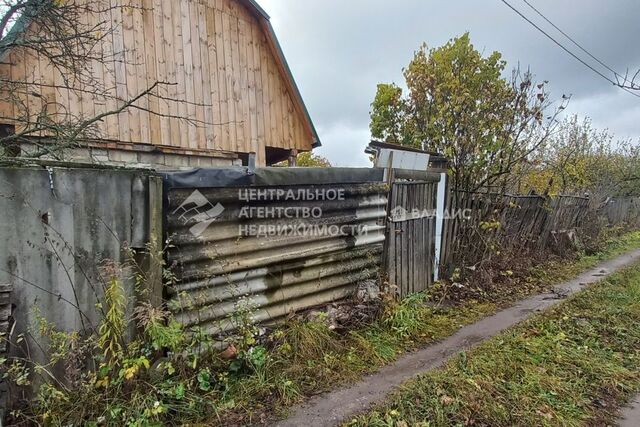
(335, 407)
(631, 414)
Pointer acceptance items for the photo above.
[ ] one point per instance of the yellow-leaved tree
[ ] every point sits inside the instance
(459, 104)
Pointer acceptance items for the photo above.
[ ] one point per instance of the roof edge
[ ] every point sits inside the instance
(26, 16)
(257, 8)
(296, 89)
(25, 20)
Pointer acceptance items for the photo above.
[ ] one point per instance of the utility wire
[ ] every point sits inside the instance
(572, 40)
(567, 50)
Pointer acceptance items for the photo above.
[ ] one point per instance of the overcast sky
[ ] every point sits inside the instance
(339, 50)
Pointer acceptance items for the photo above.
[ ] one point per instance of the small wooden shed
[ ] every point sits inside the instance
(230, 91)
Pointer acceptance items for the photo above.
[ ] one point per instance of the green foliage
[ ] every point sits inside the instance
(111, 332)
(169, 375)
(310, 339)
(409, 315)
(458, 104)
(388, 115)
(160, 329)
(245, 325)
(310, 160)
(580, 159)
(573, 365)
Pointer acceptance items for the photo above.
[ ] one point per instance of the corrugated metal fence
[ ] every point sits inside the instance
(287, 239)
(236, 233)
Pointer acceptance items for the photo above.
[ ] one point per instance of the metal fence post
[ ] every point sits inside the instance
(440, 201)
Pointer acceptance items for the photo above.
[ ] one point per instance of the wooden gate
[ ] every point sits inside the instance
(410, 247)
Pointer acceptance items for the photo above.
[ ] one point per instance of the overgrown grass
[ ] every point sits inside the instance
(313, 358)
(301, 359)
(514, 275)
(614, 245)
(573, 365)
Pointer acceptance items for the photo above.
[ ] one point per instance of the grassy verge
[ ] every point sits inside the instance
(572, 365)
(310, 358)
(134, 386)
(613, 246)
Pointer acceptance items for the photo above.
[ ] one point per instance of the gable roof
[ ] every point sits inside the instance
(265, 23)
(31, 10)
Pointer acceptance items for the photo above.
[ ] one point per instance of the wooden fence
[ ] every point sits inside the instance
(621, 211)
(410, 243)
(476, 220)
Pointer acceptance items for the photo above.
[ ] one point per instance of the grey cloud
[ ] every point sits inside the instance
(340, 50)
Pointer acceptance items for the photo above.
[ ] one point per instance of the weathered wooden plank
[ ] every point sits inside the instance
(124, 122)
(34, 85)
(411, 238)
(290, 113)
(206, 33)
(186, 79)
(198, 84)
(140, 68)
(109, 126)
(274, 105)
(239, 143)
(225, 128)
(422, 267)
(266, 91)
(61, 100)
(7, 113)
(230, 105)
(149, 16)
(259, 94)
(95, 95)
(244, 85)
(252, 87)
(130, 71)
(172, 40)
(404, 249)
(390, 243)
(279, 107)
(398, 237)
(180, 106)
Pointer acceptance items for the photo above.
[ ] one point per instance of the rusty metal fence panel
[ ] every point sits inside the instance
(225, 245)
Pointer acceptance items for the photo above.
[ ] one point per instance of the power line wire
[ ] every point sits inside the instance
(567, 50)
(572, 40)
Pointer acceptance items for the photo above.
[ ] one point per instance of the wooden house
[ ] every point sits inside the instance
(226, 90)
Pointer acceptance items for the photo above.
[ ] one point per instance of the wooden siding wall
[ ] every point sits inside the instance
(221, 65)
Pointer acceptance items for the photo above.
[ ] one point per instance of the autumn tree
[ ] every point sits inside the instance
(580, 159)
(309, 159)
(459, 104)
